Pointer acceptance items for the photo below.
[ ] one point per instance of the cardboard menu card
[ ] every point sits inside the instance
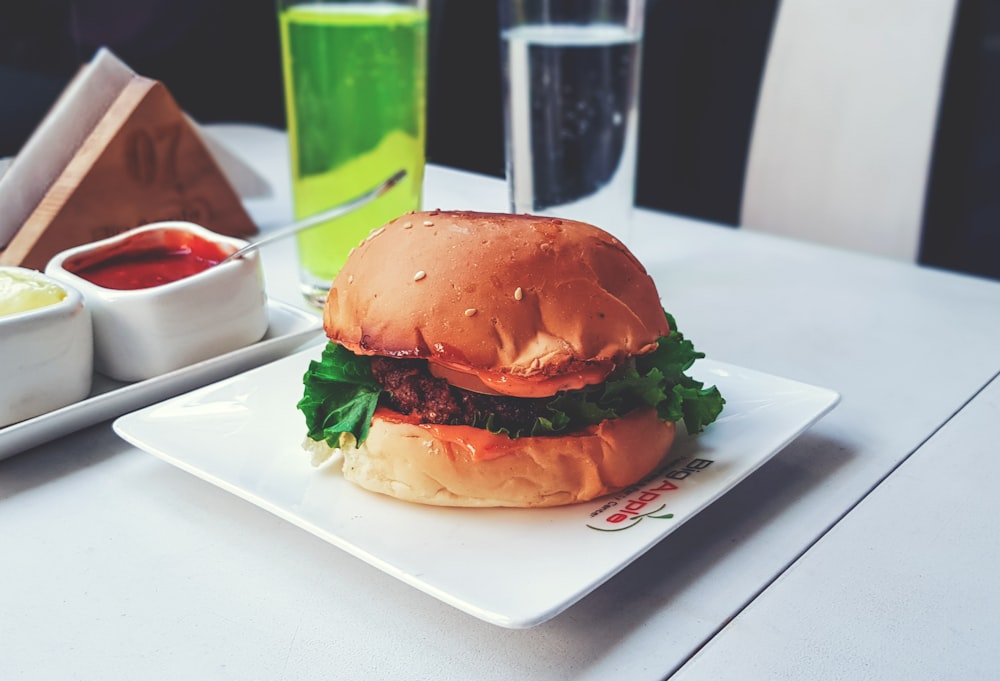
(115, 152)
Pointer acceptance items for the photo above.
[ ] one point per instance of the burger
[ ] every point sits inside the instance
(480, 359)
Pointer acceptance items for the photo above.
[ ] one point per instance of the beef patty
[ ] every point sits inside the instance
(411, 389)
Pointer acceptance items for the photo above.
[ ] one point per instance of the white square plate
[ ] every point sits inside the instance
(512, 567)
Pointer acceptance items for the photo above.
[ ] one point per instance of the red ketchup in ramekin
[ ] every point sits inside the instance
(161, 300)
(139, 263)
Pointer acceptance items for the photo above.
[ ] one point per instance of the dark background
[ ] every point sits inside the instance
(702, 67)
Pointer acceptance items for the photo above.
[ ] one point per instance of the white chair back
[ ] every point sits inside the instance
(844, 127)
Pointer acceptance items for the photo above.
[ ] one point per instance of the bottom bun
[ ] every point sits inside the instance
(428, 465)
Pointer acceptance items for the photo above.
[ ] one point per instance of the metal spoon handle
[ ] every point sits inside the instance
(329, 214)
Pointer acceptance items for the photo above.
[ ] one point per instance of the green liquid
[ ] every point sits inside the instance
(355, 95)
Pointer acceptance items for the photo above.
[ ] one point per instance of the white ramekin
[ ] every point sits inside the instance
(46, 354)
(143, 333)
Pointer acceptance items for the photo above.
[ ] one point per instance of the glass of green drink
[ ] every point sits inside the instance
(355, 76)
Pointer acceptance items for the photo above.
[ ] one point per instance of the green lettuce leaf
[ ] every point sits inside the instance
(341, 395)
(687, 399)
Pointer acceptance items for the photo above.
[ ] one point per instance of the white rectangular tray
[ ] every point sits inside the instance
(289, 328)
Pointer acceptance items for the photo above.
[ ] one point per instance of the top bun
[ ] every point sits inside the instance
(487, 293)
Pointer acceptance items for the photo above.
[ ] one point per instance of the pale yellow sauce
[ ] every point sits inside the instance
(20, 293)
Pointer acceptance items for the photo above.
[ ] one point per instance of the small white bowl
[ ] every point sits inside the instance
(145, 332)
(46, 353)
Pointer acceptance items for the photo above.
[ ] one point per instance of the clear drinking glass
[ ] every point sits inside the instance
(571, 97)
(355, 76)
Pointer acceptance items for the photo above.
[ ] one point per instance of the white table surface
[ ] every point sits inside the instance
(904, 587)
(116, 565)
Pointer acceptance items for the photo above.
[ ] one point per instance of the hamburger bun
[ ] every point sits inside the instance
(429, 465)
(496, 295)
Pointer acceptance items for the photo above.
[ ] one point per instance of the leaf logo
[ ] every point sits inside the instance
(635, 520)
